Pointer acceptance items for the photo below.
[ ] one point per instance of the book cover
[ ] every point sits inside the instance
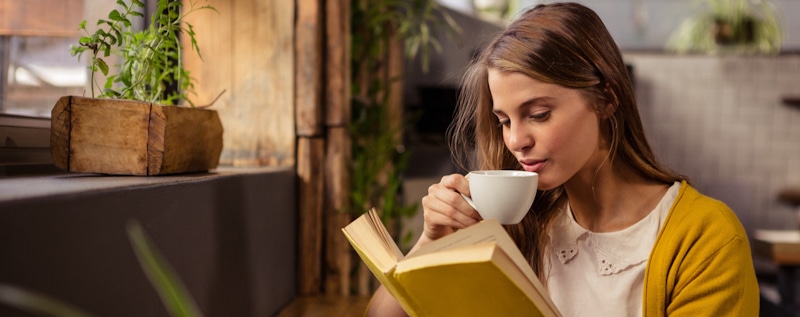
(477, 271)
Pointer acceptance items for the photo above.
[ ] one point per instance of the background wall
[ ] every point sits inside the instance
(646, 24)
(721, 121)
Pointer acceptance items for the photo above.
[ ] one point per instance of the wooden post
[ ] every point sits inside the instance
(311, 140)
(339, 255)
(308, 49)
(311, 176)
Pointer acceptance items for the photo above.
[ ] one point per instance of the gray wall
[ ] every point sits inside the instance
(231, 238)
(646, 24)
(721, 121)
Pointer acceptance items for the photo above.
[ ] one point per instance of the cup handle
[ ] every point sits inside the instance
(469, 201)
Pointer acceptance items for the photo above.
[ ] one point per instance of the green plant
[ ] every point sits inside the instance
(729, 26)
(151, 58)
(379, 157)
(172, 291)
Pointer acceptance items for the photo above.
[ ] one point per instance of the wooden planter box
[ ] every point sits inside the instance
(125, 137)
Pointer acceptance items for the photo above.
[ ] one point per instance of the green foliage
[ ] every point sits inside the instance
(729, 26)
(379, 158)
(379, 162)
(151, 58)
(416, 22)
(166, 282)
(36, 303)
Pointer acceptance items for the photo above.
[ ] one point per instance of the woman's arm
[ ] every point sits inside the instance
(384, 304)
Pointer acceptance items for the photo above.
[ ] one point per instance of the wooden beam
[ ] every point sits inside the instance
(311, 175)
(308, 49)
(337, 63)
(338, 253)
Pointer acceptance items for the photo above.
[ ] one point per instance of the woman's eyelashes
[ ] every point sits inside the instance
(503, 122)
(536, 116)
(540, 116)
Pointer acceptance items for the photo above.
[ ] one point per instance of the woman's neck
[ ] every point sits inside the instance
(612, 199)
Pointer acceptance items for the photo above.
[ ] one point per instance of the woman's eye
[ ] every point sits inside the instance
(503, 123)
(541, 116)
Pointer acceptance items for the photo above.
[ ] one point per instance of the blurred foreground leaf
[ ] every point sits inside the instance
(172, 291)
(37, 303)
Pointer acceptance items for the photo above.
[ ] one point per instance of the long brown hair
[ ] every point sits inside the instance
(565, 44)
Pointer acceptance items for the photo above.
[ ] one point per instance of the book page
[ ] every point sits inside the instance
(370, 236)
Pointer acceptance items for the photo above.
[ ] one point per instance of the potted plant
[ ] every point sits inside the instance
(139, 123)
(729, 26)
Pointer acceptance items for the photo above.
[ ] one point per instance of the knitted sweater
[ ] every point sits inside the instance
(701, 264)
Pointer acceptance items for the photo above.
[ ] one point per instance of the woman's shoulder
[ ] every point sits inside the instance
(698, 215)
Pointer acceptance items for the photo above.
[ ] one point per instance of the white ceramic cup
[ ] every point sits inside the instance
(505, 195)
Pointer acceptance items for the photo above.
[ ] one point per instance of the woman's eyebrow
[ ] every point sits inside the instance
(528, 103)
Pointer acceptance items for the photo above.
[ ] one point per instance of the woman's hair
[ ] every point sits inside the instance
(565, 44)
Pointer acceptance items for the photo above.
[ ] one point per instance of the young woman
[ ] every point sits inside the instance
(611, 231)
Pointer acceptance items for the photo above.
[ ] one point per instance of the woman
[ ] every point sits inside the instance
(611, 231)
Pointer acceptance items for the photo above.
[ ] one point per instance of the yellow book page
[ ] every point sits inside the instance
(380, 254)
(368, 235)
(483, 282)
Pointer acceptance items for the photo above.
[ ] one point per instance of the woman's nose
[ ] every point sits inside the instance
(518, 138)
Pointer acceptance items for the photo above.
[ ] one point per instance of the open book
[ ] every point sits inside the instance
(477, 271)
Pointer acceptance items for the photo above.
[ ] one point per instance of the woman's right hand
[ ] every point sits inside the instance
(445, 210)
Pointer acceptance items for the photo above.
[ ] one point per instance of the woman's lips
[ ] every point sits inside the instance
(532, 165)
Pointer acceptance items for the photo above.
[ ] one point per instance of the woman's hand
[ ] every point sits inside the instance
(444, 208)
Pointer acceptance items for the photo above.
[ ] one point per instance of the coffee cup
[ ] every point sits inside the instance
(505, 195)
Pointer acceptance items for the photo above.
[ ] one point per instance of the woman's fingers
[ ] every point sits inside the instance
(438, 212)
(445, 209)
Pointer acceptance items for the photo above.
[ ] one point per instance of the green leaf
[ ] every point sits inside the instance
(37, 303)
(115, 16)
(118, 35)
(103, 66)
(109, 82)
(172, 291)
(108, 92)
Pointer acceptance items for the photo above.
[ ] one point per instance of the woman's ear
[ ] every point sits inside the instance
(611, 103)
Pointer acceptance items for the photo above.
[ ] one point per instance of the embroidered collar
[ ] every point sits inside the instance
(615, 251)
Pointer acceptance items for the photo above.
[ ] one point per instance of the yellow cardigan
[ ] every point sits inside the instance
(701, 264)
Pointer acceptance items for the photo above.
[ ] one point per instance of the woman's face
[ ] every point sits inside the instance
(550, 129)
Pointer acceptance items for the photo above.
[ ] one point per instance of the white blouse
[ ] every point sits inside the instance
(602, 274)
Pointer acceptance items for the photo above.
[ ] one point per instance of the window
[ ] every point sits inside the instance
(36, 69)
(35, 64)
